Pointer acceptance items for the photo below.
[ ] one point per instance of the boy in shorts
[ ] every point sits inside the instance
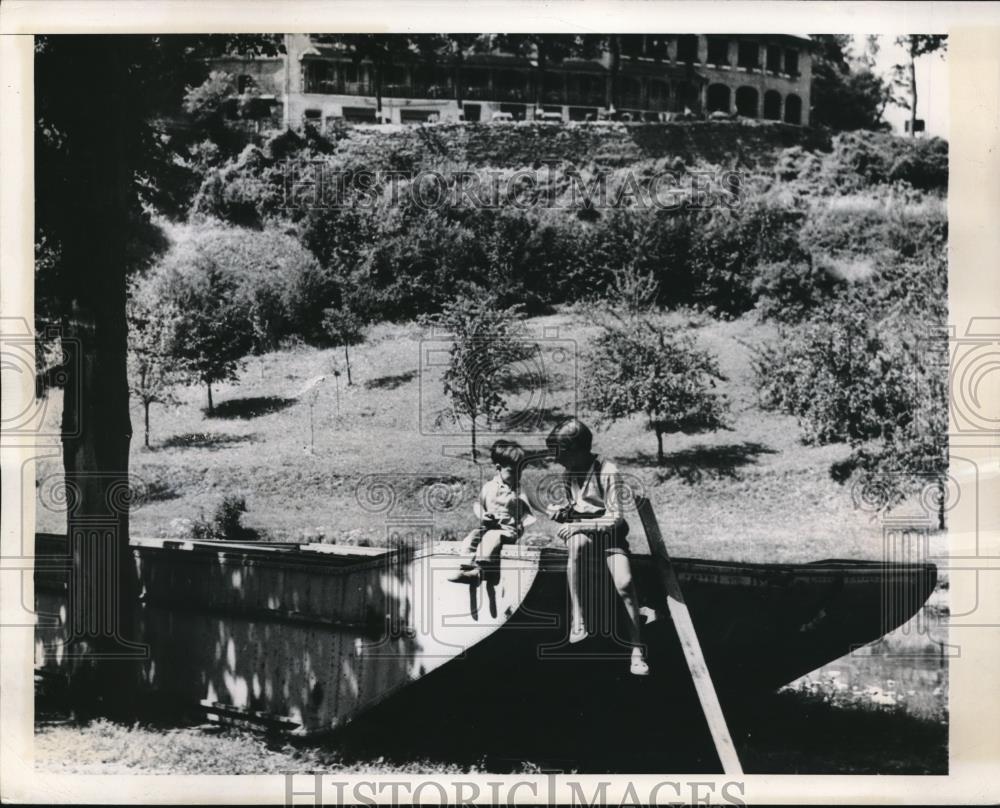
(503, 513)
(592, 521)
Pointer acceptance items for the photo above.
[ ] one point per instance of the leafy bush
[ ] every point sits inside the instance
(226, 523)
(728, 245)
(390, 258)
(788, 291)
(853, 376)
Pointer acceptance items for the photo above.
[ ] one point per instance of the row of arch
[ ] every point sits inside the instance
(748, 103)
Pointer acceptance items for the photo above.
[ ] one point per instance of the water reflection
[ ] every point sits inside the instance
(905, 671)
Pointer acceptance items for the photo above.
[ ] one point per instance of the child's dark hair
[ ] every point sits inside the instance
(507, 453)
(571, 434)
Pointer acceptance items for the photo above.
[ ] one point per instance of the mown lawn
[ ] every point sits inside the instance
(752, 492)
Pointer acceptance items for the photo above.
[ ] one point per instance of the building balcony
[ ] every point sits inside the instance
(477, 92)
(335, 87)
(585, 98)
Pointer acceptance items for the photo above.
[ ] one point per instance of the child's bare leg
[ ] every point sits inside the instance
(489, 547)
(577, 545)
(471, 544)
(621, 573)
(468, 552)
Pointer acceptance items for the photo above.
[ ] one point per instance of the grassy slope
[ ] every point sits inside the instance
(750, 493)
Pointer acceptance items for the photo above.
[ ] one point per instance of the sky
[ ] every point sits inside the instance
(932, 86)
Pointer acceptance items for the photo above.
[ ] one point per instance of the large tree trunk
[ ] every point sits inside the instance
(96, 425)
(347, 361)
(145, 407)
(913, 89)
(210, 407)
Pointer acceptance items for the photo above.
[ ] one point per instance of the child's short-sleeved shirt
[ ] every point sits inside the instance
(505, 504)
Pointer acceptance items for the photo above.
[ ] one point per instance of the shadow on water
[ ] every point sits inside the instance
(253, 407)
(694, 464)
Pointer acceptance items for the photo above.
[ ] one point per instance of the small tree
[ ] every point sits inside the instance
(639, 368)
(485, 340)
(345, 328)
(153, 373)
(214, 329)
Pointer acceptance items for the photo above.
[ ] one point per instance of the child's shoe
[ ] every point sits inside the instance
(639, 666)
(578, 633)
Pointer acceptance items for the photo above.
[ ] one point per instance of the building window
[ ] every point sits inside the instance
(718, 98)
(349, 73)
(773, 59)
(793, 109)
(659, 94)
(656, 47)
(686, 97)
(792, 62)
(629, 92)
(718, 50)
(318, 77)
(687, 48)
(746, 102)
(749, 55)
(632, 45)
(772, 105)
(245, 84)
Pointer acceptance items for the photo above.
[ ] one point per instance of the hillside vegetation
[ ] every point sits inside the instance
(810, 229)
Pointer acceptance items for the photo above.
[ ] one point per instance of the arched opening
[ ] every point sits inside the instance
(772, 105)
(746, 102)
(793, 109)
(718, 98)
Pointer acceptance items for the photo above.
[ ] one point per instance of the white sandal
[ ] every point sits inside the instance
(639, 666)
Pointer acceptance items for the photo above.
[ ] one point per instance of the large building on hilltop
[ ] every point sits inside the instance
(321, 81)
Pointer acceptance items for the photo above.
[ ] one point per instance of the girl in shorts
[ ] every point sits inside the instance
(593, 527)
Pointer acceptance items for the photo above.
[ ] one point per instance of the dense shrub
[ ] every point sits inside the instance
(855, 374)
(788, 291)
(728, 245)
(817, 218)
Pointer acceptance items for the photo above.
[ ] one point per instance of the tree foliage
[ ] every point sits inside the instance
(873, 381)
(846, 93)
(486, 340)
(154, 372)
(639, 367)
(214, 330)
